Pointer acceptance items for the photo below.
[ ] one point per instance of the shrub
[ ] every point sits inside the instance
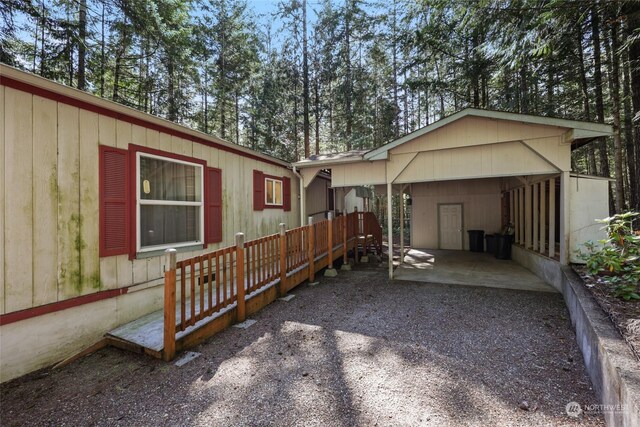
(617, 258)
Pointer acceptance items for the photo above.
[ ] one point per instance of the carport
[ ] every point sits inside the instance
(480, 169)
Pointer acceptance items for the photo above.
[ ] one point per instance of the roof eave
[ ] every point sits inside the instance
(327, 162)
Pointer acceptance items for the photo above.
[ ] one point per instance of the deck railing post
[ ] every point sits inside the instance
(240, 310)
(169, 350)
(345, 257)
(312, 250)
(356, 232)
(283, 260)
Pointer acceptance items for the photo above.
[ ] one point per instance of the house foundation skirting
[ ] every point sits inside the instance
(38, 342)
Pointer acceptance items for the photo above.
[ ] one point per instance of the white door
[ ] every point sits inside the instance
(450, 220)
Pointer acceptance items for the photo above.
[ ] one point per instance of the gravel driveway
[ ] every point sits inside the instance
(353, 350)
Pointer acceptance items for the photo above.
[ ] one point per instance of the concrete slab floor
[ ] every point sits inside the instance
(467, 268)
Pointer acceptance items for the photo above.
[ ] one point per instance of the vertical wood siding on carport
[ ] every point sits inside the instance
(49, 216)
(534, 215)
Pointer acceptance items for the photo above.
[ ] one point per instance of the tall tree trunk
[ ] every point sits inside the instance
(524, 89)
(222, 100)
(394, 65)
(43, 62)
(36, 32)
(405, 113)
(632, 12)
(584, 87)
(632, 157)
(206, 98)
(237, 114)
(550, 86)
(317, 113)
(68, 50)
(597, 79)
(171, 88)
(614, 89)
(82, 44)
(295, 115)
(349, 90)
(305, 82)
(102, 51)
(475, 69)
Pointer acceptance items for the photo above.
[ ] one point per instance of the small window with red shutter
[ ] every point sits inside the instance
(271, 192)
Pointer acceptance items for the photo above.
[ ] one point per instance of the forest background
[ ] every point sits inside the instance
(293, 78)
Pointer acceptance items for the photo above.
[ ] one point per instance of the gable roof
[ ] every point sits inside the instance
(582, 132)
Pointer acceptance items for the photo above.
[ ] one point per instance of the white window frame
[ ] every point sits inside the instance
(266, 194)
(140, 202)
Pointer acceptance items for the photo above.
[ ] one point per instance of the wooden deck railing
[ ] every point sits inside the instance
(201, 289)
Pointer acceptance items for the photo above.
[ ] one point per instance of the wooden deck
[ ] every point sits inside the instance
(205, 289)
(145, 334)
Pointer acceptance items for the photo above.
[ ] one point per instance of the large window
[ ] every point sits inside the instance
(169, 202)
(273, 192)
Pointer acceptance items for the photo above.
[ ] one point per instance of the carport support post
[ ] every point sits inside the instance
(564, 218)
(402, 226)
(330, 240)
(240, 309)
(282, 289)
(390, 228)
(330, 271)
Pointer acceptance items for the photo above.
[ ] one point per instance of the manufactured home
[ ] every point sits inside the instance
(92, 194)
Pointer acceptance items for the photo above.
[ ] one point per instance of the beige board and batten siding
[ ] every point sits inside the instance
(50, 215)
(586, 195)
(481, 208)
(49, 219)
(360, 173)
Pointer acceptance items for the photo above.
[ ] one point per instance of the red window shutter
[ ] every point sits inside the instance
(114, 201)
(213, 206)
(286, 193)
(258, 190)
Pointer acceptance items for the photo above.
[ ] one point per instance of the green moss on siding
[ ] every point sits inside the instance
(53, 183)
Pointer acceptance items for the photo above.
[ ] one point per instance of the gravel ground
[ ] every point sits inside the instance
(353, 350)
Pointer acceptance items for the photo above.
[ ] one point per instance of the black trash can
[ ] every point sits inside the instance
(476, 240)
(503, 246)
(491, 243)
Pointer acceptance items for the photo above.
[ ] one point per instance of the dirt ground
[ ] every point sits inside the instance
(352, 350)
(625, 315)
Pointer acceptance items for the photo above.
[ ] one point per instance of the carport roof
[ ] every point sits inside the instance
(582, 132)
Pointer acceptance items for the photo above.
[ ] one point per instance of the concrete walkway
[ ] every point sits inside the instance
(467, 268)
